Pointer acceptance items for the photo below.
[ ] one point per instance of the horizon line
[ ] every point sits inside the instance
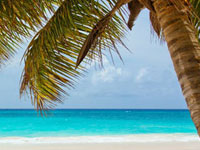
(98, 109)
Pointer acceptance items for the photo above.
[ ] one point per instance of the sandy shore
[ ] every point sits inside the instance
(106, 146)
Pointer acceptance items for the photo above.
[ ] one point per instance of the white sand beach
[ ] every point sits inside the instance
(123, 142)
(106, 146)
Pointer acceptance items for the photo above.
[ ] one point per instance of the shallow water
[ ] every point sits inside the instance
(62, 123)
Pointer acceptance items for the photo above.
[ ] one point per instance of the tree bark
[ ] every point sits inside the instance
(184, 49)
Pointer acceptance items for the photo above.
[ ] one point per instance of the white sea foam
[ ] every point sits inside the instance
(138, 138)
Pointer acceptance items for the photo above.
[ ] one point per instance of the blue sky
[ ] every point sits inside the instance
(146, 80)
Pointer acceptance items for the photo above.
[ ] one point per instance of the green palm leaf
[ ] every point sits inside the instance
(196, 20)
(50, 58)
(18, 19)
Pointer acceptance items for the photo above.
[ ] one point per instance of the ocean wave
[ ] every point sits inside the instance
(138, 138)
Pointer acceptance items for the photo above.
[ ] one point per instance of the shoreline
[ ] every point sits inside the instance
(124, 142)
(132, 138)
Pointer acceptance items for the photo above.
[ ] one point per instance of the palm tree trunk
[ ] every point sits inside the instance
(184, 49)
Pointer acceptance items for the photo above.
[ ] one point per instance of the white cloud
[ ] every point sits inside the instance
(141, 74)
(108, 74)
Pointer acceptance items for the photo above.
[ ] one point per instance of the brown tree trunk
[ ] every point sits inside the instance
(184, 49)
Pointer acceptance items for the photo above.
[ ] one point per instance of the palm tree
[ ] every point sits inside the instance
(175, 21)
(79, 29)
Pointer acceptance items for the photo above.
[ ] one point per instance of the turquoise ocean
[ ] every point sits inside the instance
(97, 123)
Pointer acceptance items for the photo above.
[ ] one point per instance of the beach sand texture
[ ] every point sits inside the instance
(106, 146)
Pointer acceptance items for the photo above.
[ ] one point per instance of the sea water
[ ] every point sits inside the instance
(104, 125)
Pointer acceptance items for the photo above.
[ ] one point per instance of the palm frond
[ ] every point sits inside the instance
(155, 24)
(50, 58)
(18, 19)
(135, 8)
(97, 32)
(148, 4)
(196, 20)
